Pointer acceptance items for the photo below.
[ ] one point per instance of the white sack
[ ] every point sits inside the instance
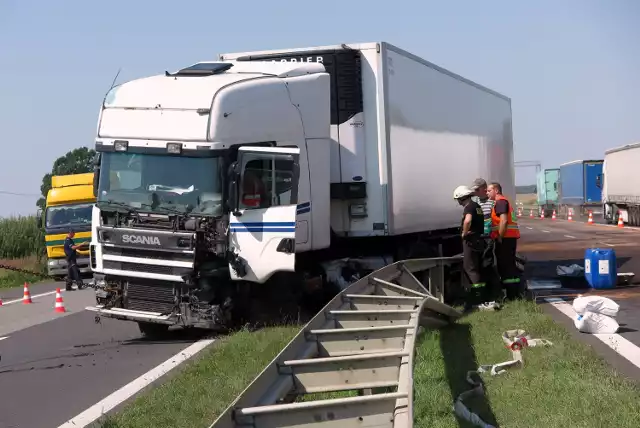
(596, 304)
(594, 323)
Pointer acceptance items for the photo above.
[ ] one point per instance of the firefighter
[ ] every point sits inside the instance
(505, 234)
(473, 245)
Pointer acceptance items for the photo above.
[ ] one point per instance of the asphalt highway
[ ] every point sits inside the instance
(548, 243)
(54, 367)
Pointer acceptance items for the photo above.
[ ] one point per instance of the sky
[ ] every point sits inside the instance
(570, 67)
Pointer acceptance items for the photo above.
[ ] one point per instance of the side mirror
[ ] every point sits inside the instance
(233, 176)
(96, 173)
(599, 181)
(39, 217)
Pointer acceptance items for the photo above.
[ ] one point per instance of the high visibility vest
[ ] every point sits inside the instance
(512, 221)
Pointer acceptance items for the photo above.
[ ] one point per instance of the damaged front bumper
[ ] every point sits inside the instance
(133, 315)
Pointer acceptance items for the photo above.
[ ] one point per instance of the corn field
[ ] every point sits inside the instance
(21, 237)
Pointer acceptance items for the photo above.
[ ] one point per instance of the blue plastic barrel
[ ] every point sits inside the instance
(600, 268)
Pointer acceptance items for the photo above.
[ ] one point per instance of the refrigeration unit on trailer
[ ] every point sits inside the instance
(621, 184)
(547, 187)
(311, 163)
(580, 186)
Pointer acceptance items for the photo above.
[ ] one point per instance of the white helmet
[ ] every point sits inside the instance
(461, 192)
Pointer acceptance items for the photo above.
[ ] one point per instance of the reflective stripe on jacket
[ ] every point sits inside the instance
(512, 221)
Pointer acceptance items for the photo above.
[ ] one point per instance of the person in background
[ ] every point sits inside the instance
(505, 234)
(480, 196)
(494, 289)
(473, 245)
(73, 271)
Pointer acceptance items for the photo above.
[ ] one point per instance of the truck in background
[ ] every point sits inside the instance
(547, 188)
(69, 205)
(621, 186)
(580, 186)
(308, 165)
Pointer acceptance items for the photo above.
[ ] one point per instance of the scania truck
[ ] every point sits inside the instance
(265, 171)
(68, 207)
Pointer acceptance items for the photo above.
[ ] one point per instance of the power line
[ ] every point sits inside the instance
(6, 192)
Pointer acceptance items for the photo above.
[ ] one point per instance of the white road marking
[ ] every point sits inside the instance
(607, 244)
(616, 342)
(569, 236)
(33, 296)
(530, 228)
(108, 403)
(545, 231)
(3, 338)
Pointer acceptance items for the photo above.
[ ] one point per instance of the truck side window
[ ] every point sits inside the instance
(265, 183)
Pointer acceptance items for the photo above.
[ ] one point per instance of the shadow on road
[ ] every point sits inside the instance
(459, 358)
(536, 269)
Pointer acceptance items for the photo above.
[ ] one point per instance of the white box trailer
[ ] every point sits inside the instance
(406, 133)
(621, 187)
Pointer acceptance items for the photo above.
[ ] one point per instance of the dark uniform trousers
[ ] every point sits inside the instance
(505, 254)
(473, 250)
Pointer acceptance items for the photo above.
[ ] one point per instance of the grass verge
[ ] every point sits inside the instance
(566, 385)
(10, 278)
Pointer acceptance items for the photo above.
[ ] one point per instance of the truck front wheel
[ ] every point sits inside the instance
(153, 330)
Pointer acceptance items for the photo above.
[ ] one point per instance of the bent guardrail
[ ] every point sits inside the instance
(361, 343)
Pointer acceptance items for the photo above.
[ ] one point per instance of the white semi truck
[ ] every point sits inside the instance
(264, 171)
(620, 187)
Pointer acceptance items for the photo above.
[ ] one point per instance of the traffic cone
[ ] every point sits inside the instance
(620, 222)
(26, 295)
(541, 213)
(570, 218)
(553, 216)
(519, 211)
(59, 303)
(590, 221)
(531, 213)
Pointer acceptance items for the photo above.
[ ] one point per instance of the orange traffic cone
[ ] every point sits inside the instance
(570, 218)
(26, 295)
(519, 211)
(541, 213)
(531, 213)
(553, 216)
(620, 222)
(590, 221)
(59, 303)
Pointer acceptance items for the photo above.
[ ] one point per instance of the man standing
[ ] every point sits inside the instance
(505, 234)
(473, 245)
(480, 196)
(479, 188)
(73, 271)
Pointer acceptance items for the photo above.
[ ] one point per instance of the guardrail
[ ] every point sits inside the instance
(362, 344)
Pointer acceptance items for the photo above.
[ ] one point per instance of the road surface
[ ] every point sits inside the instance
(548, 243)
(55, 366)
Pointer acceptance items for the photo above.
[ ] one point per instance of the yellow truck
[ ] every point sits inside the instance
(68, 207)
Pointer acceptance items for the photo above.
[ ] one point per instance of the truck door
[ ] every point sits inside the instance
(593, 183)
(262, 228)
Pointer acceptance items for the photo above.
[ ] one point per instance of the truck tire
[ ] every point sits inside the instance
(153, 330)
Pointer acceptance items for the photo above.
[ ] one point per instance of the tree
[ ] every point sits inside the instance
(76, 161)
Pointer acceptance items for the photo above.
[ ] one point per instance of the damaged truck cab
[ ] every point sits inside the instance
(196, 180)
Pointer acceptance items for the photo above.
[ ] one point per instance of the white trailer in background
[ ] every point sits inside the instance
(369, 142)
(621, 185)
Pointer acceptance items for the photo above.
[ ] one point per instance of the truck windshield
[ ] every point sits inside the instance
(161, 183)
(68, 216)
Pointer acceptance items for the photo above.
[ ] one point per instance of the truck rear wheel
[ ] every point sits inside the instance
(153, 330)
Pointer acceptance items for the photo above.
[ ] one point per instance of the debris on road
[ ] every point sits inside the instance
(596, 315)
(515, 341)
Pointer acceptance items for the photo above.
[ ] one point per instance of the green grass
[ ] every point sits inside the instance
(20, 237)
(565, 385)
